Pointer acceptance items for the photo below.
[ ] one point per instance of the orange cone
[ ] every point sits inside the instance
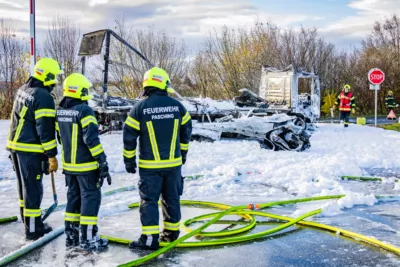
(391, 115)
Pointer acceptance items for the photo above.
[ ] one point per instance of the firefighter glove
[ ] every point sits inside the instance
(131, 166)
(353, 110)
(104, 174)
(103, 170)
(184, 154)
(53, 164)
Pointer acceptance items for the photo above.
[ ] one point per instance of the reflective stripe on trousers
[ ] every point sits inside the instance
(88, 220)
(72, 217)
(150, 230)
(32, 213)
(172, 226)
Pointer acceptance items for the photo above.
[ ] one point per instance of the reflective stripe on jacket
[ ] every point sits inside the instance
(390, 102)
(79, 134)
(164, 127)
(32, 126)
(346, 101)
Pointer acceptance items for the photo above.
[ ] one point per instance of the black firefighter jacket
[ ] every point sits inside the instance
(164, 127)
(78, 130)
(390, 102)
(32, 128)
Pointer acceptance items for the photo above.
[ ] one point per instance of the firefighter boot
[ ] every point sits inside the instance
(96, 243)
(90, 240)
(72, 233)
(148, 242)
(169, 236)
(39, 228)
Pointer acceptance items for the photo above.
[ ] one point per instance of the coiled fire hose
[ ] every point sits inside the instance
(247, 212)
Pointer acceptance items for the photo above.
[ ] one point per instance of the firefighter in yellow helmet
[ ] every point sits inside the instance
(164, 127)
(31, 141)
(84, 163)
(390, 102)
(347, 104)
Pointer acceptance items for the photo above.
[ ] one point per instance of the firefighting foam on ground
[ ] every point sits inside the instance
(232, 175)
(256, 180)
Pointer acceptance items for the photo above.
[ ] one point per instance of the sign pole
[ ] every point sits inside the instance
(32, 35)
(376, 106)
(376, 77)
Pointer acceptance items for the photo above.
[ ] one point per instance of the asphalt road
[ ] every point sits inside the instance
(369, 120)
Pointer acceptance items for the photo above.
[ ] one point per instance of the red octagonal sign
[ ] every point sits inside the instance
(376, 76)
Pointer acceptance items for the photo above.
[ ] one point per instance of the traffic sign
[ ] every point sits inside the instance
(374, 86)
(376, 76)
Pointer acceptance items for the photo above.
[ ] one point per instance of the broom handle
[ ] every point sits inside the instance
(53, 187)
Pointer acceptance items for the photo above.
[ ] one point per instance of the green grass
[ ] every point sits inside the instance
(392, 127)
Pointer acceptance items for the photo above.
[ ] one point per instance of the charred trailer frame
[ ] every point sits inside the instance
(92, 44)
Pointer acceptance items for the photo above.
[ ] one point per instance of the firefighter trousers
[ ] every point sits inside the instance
(83, 203)
(345, 116)
(28, 168)
(167, 183)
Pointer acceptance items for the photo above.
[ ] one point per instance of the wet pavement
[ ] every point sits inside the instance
(369, 120)
(296, 246)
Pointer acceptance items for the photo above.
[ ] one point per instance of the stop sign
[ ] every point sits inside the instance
(376, 76)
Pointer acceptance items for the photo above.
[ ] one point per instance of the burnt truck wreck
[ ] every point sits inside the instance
(278, 117)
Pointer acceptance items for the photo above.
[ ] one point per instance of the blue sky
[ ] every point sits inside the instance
(327, 10)
(343, 22)
(311, 7)
(320, 13)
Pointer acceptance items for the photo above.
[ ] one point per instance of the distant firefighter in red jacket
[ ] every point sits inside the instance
(347, 104)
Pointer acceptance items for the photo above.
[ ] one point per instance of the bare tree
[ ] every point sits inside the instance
(11, 55)
(62, 44)
(162, 50)
(381, 49)
(13, 73)
(236, 56)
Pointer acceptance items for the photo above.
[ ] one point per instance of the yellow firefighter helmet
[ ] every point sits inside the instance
(158, 78)
(77, 86)
(46, 71)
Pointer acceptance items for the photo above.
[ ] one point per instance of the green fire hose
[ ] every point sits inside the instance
(61, 206)
(247, 212)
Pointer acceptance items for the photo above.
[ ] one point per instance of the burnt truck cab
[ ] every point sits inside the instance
(280, 88)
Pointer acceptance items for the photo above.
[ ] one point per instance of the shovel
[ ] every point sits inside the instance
(54, 206)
